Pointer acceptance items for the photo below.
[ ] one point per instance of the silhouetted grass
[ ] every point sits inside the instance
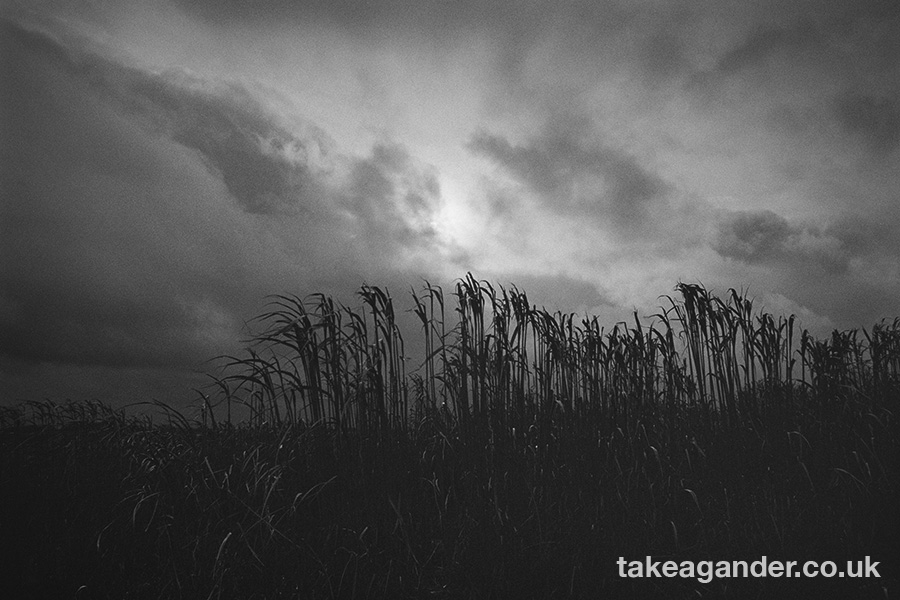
(518, 457)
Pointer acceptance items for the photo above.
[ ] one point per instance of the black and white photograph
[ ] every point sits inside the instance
(476, 299)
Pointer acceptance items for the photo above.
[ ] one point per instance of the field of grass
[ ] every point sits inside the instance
(518, 455)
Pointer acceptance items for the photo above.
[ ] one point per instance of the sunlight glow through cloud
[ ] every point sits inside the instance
(188, 157)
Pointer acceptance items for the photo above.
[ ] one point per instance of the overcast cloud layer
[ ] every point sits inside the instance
(166, 165)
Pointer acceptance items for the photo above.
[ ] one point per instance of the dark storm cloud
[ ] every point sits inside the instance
(753, 237)
(269, 169)
(875, 120)
(263, 165)
(83, 276)
(764, 237)
(575, 175)
(144, 216)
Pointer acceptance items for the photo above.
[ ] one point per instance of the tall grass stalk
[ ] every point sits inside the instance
(497, 362)
(517, 453)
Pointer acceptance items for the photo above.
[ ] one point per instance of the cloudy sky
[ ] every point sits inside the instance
(167, 164)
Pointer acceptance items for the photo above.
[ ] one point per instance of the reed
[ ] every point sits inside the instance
(494, 360)
(518, 453)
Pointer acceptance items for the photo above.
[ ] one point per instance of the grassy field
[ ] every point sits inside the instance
(518, 455)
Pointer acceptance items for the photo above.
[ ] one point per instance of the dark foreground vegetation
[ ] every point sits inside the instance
(519, 456)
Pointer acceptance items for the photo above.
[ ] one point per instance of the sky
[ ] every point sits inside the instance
(168, 164)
